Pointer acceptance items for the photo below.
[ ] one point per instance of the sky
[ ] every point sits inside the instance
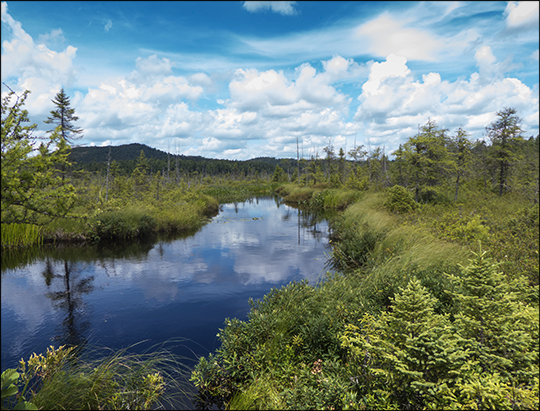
(240, 80)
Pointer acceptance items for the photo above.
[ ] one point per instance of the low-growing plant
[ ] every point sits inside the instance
(63, 379)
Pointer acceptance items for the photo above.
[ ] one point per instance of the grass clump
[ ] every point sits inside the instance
(63, 379)
(128, 223)
(21, 235)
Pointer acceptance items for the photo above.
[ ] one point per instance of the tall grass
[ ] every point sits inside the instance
(18, 235)
(106, 379)
(383, 255)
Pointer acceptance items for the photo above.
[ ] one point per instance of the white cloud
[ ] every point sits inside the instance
(34, 66)
(393, 103)
(385, 35)
(153, 66)
(282, 7)
(108, 25)
(521, 14)
(55, 36)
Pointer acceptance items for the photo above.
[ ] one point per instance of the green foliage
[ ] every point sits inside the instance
(128, 223)
(33, 188)
(399, 199)
(409, 353)
(464, 228)
(499, 329)
(62, 380)
(10, 382)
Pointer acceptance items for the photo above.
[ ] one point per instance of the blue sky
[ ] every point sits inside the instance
(239, 80)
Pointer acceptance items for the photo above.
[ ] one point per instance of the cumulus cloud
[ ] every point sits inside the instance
(393, 103)
(521, 14)
(35, 67)
(282, 7)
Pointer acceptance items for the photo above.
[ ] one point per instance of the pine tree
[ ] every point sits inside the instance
(64, 116)
(499, 328)
(32, 187)
(417, 351)
(503, 134)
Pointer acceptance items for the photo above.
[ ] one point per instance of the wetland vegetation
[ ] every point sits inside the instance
(433, 303)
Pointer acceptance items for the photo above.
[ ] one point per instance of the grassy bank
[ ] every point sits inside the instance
(348, 342)
(318, 196)
(125, 217)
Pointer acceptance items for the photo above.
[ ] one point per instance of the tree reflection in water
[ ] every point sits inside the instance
(69, 298)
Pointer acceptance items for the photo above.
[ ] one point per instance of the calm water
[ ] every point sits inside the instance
(120, 294)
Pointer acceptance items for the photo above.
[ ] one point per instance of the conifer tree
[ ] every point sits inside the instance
(499, 329)
(64, 117)
(32, 187)
(427, 156)
(461, 151)
(138, 176)
(503, 134)
(416, 350)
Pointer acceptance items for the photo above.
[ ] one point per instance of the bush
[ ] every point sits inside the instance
(127, 223)
(400, 200)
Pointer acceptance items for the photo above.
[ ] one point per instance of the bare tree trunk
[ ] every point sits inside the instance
(108, 169)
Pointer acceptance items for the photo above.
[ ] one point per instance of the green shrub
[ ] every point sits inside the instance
(399, 199)
(127, 223)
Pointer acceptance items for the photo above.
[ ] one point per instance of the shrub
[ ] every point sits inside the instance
(128, 223)
(399, 199)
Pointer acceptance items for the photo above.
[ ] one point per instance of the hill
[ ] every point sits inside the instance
(95, 159)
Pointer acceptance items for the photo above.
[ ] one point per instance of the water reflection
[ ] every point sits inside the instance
(160, 288)
(68, 298)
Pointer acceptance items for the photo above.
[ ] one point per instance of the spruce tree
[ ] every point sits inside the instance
(504, 133)
(500, 330)
(417, 351)
(64, 117)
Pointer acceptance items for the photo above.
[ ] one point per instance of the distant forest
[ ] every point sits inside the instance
(126, 156)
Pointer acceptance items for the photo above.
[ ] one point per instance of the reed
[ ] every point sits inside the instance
(21, 235)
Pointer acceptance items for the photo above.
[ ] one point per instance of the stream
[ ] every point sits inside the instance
(159, 289)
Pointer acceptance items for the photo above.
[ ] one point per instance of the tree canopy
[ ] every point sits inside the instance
(32, 186)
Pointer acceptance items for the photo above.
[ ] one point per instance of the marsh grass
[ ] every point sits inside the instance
(237, 191)
(21, 235)
(107, 379)
(372, 247)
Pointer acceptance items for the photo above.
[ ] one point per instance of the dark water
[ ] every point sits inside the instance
(154, 291)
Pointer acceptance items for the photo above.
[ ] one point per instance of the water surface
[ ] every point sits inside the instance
(116, 295)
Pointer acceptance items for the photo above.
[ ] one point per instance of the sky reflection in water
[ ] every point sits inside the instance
(119, 295)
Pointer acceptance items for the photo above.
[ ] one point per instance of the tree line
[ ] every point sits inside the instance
(39, 173)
